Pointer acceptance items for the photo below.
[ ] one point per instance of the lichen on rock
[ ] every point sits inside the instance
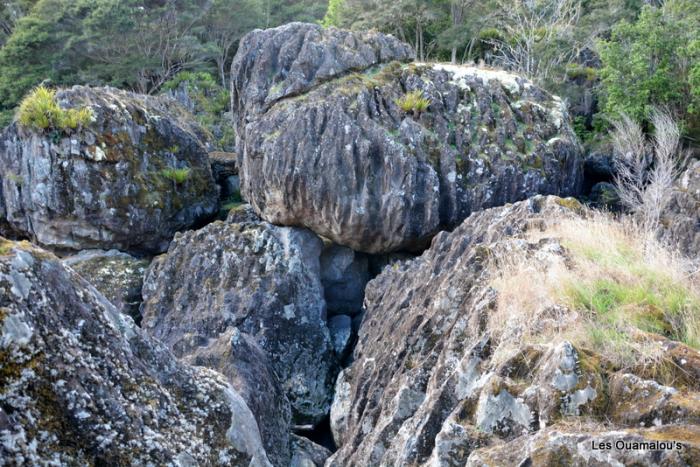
(105, 185)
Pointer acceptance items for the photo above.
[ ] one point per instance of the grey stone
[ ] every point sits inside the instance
(116, 275)
(260, 279)
(106, 186)
(82, 385)
(339, 156)
(344, 275)
(340, 327)
(681, 220)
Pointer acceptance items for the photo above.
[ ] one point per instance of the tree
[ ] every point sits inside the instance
(11, 11)
(647, 170)
(222, 31)
(655, 61)
(333, 14)
(538, 35)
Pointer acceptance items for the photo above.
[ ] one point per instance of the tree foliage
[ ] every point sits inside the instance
(655, 61)
(132, 44)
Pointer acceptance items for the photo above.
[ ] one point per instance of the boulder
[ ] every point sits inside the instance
(80, 384)
(116, 275)
(238, 357)
(341, 152)
(128, 180)
(259, 280)
(422, 364)
(681, 220)
(306, 453)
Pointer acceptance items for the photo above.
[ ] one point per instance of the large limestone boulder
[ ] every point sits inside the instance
(80, 384)
(128, 180)
(324, 141)
(438, 373)
(261, 283)
(681, 221)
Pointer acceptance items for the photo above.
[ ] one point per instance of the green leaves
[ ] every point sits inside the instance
(646, 64)
(40, 111)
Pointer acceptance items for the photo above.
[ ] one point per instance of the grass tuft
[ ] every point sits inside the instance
(39, 110)
(178, 176)
(414, 102)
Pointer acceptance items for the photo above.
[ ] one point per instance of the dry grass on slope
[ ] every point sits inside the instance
(611, 286)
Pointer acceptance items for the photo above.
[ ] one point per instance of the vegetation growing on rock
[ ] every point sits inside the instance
(40, 111)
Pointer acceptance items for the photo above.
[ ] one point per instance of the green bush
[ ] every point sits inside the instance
(655, 62)
(39, 110)
(178, 176)
(210, 101)
(414, 101)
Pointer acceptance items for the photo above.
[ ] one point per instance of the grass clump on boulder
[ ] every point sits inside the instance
(40, 111)
(414, 102)
(176, 175)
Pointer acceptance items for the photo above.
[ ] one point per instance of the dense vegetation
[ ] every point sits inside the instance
(132, 44)
(604, 57)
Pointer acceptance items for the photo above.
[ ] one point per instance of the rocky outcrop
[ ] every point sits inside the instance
(80, 384)
(337, 147)
(116, 275)
(681, 221)
(129, 180)
(431, 384)
(230, 291)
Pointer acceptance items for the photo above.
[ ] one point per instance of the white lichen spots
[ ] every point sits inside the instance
(502, 412)
(572, 402)
(289, 312)
(460, 74)
(15, 331)
(97, 155)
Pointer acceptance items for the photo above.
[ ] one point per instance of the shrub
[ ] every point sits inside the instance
(414, 102)
(40, 110)
(178, 176)
(647, 170)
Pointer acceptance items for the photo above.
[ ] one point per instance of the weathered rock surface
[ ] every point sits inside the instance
(80, 384)
(238, 357)
(108, 185)
(224, 168)
(307, 453)
(628, 447)
(275, 64)
(116, 275)
(430, 384)
(682, 219)
(254, 279)
(335, 153)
